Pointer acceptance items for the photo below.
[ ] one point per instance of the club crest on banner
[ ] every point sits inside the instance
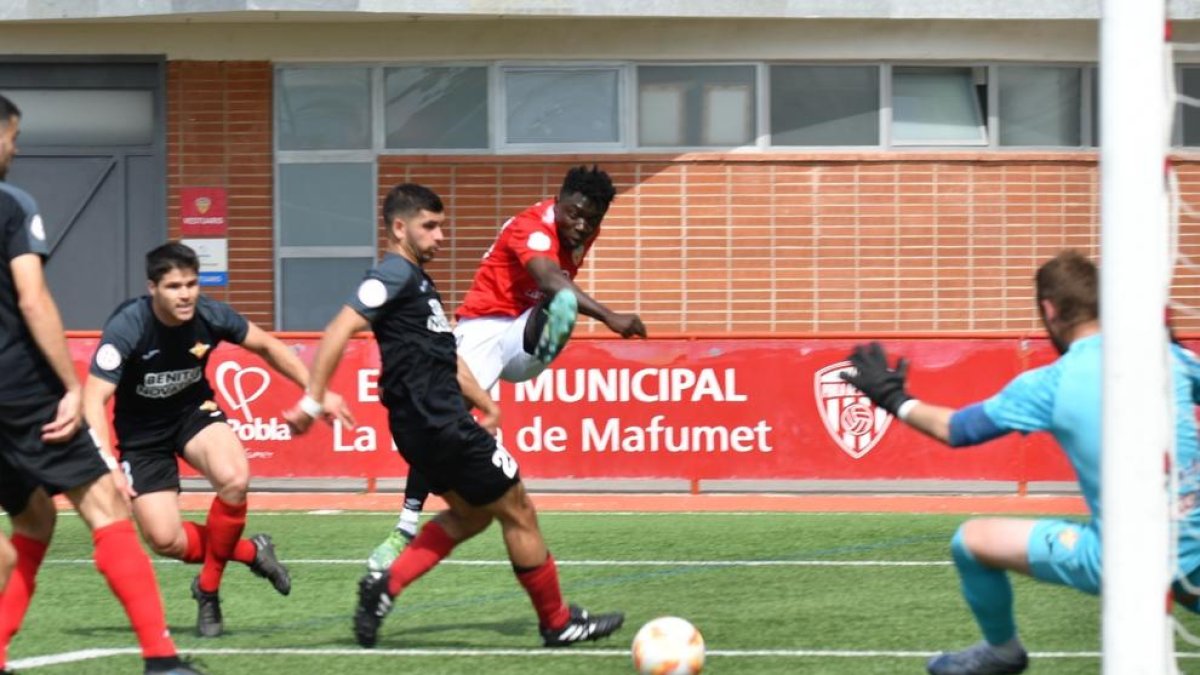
(852, 420)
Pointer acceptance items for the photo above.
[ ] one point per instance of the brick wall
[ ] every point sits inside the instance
(219, 135)
(813, 243)
(864, 242)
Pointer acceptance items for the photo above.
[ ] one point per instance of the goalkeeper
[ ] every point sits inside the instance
(1062, 398)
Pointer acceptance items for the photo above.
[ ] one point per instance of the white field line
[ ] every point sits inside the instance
(30, 663)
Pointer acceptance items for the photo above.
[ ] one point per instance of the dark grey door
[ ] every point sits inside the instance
(92, 153)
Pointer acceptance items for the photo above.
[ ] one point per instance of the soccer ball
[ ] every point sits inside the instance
(668, 645)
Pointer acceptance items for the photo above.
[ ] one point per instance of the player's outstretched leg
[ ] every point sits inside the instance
(416, 491)
(376, 589)
(560, 315)
(432, 544)
(560, 625)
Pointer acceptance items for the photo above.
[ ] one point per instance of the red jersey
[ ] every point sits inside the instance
(502, 285)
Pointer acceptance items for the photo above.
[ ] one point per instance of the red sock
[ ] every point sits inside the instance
(225, 524)
(244, 552)
(427, 549)
(19, 591)
(127, 568)
(541, 583)
(197, 544)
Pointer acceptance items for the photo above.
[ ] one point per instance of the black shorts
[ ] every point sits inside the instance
(460, 456)
(26, 462)
(149, 457)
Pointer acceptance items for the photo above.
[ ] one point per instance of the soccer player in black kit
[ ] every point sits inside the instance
(152, 356)
(422, 384)
(45, 447)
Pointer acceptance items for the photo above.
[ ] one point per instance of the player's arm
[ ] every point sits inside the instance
(96, 394)
(551, 279)
(117, 343)
(885, 386)
(277, 355)
(285, 362)
(478, 397)
(329, 353)
(45, 325)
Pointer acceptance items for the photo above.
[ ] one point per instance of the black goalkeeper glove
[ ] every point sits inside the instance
(884, 386)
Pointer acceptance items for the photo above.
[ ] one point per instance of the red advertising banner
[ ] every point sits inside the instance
(203, 212)
(691, 409)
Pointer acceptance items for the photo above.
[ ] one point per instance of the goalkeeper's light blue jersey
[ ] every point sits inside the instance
(1063, 398)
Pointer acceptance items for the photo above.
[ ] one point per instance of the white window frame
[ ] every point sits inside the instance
(364, 156)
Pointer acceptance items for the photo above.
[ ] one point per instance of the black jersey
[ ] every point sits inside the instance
(419, 380)
(159, 369)
(25, 374)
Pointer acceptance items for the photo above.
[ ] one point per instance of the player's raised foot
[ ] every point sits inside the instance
(208, 611)
(374, 603)
(383, 555)
(267, 566)
(978, 659)
(582, 626)
(167, 667)
(561, 313)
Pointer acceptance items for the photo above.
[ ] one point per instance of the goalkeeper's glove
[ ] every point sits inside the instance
(883, 385)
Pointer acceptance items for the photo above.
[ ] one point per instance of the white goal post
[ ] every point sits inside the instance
(1135, 285)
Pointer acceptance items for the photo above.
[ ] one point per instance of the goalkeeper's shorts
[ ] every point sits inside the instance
(1067, 553)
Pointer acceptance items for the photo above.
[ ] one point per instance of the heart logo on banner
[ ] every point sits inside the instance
(232, 382)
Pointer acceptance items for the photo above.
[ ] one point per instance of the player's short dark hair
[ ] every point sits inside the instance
(170, 256)
(408, 199)
(592, 183)
(8, 110)
(1071, 282)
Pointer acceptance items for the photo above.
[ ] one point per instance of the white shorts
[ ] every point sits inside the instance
(493, 347)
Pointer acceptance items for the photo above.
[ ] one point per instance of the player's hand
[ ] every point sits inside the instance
(297, 420)
(336, 409)
(626, 325)
(123, 485)
(67, 420)
(880, 383)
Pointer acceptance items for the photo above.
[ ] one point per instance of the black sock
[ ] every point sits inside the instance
(163, 662)
(533, 327)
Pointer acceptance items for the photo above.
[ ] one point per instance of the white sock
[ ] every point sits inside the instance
(408, 522)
